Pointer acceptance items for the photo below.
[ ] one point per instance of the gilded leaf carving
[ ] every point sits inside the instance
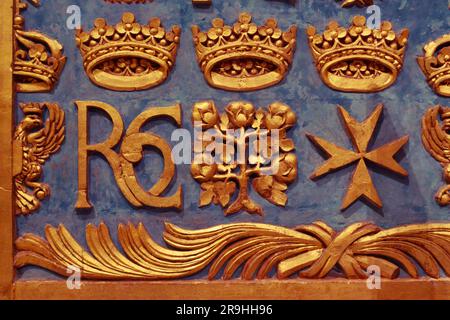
(248, 250)
(248, 144)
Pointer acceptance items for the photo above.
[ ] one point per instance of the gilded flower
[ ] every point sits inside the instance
(206, 113)
(272, 190)
(175, 33)
(219, 192)
(287, 168)
(334, 31)
(385, 32)
(154, 29)
(82, 37)
(358, 66)
(280, 116)
(128, 24)
(219, 29)
(270, 29)
(101, 29)
(240, 114)
(203, 167)
(245, 25)
(37, 51)
(359, 27)
(444, 55)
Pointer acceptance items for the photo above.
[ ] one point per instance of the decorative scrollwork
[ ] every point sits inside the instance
(34, 143)
(253, 250)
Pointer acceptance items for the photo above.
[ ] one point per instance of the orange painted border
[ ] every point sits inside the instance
(7, 95)
(236, 290)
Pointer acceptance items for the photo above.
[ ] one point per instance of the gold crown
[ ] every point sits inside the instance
(38, 59)
(358, 59)
(244, 56)
(34, 108)
(129, 56)
(436, 64)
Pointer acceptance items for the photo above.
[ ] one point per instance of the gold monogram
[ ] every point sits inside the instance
(131, 153)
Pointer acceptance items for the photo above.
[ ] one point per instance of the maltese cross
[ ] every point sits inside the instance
(360, 133)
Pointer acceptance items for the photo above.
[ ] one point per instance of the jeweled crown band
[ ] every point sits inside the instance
(244, 57)
(358, 59)
(128, 56)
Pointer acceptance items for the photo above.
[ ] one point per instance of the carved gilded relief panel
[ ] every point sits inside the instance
(107, 174)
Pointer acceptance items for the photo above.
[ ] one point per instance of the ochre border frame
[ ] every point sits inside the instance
(7, 96)
(266, 289)
(231, 290)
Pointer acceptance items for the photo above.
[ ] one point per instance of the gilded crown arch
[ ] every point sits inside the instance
(91, 182)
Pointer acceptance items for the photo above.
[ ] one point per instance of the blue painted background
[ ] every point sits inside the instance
(405, 200)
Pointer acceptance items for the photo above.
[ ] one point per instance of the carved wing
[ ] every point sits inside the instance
(435, 139)
(48, 140)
